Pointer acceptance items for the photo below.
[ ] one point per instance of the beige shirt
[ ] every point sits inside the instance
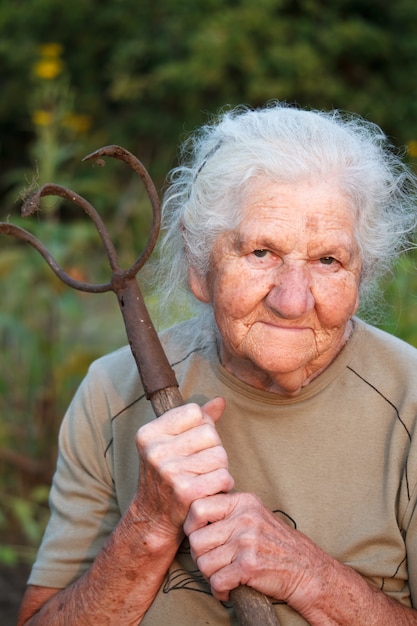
(338, 462)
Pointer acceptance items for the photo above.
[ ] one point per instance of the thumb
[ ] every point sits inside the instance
(214, 408)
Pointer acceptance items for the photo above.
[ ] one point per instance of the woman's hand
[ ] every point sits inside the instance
(181, 459)
(235, 541)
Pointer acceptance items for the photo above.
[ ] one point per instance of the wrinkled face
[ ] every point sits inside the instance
(284, 285)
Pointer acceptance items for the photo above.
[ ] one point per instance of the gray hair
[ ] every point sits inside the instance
(284, 144)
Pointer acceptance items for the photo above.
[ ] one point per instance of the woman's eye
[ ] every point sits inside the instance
(260, 253)
(262, 258)
(327, 260)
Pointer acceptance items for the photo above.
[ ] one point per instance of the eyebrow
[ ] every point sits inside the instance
(336, 250)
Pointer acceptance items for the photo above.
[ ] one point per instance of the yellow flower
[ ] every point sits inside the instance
(42, 118)
(50, 50)
(412, 148)
(48, 68)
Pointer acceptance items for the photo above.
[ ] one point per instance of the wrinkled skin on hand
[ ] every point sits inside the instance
(185, 486)
(181, 460)
(235, 540)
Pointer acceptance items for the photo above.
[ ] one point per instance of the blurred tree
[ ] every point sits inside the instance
(144, 72)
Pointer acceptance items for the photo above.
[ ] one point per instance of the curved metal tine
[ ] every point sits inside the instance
(24, 235)
(116, 152)
(32, 203)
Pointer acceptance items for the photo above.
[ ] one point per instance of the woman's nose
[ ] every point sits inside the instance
(290, 297)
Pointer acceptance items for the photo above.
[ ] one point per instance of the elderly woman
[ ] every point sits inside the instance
(293, 466)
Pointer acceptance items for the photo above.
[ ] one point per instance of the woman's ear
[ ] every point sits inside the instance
(199, 286)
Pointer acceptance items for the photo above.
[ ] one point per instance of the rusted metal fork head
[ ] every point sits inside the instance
(153, 366)
(158, 378)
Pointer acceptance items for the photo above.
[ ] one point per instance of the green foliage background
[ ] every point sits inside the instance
(76, 76)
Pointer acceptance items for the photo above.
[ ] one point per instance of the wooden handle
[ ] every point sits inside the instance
(161, 387)
(252, 607)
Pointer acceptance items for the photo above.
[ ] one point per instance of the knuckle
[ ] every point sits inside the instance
(217, 458)
(209, 435)
(153, 458)
(190, 410)
(225, 477)
(218, 586)
(221, 456)
(197, 509)
(249, 505)
(146, 434)
(201, 562)
(249, 559)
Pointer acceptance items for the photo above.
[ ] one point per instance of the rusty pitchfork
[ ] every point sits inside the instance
(158, 378)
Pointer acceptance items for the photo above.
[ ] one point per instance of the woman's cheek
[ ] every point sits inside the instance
(336, 298)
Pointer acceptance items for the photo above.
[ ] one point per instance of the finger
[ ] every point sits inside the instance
(214, 408)
(202, 436)
(208, 484)
(183, 450)
(181, 419)
(208, 511)
(203, 461)
(190, 415)
(171, 424)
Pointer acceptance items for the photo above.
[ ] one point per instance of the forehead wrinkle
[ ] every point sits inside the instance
(267, 213)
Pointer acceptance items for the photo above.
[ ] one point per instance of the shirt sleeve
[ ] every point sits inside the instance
(83, 503)
(411, 543)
